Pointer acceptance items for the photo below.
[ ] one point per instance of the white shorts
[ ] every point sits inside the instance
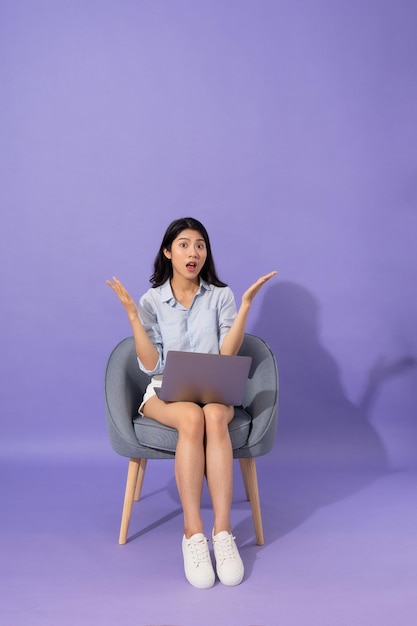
(155, 383)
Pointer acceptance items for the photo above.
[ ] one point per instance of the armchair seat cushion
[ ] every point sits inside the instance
(152, 434)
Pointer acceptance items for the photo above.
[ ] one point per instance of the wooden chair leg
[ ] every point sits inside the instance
(141, 476)
(245, 479)
(131, 482)
(250, 481)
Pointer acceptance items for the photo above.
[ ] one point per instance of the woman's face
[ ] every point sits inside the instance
(188, 254)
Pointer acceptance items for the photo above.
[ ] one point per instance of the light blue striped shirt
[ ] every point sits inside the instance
(201, 328)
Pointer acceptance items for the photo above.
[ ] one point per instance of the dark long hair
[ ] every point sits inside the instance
(162, 269)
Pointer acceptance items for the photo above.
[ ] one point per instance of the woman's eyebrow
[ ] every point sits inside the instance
(188, 239)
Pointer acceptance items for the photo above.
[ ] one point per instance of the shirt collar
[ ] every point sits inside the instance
(167, 295)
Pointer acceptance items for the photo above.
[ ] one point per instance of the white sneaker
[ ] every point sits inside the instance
(197, 562)
(229, 565)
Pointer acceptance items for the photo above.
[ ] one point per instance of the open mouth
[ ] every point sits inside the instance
(191, 266)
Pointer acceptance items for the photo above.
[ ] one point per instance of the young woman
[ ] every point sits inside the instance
(189, 308)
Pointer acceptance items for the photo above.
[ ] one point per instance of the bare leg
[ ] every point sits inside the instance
(219, 463)
(188, 419)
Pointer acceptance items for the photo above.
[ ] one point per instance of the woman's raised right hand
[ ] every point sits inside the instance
(125, 298)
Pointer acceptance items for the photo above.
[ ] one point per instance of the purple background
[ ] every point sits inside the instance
(289, 129)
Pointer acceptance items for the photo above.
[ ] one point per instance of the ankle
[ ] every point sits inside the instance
(221, 527)
(189, 531)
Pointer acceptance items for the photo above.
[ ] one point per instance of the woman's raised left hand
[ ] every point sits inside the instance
(250, 293)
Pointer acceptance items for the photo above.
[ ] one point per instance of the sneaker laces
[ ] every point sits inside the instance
(225, 548)
(199, 551)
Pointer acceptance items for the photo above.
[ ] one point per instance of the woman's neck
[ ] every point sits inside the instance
(184, 290)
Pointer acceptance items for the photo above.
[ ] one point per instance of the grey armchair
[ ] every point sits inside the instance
(252, 429)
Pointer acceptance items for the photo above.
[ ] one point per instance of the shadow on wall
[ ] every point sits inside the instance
(317, 422)
(326, 447)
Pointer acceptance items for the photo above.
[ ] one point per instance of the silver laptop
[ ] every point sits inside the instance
(204, 378)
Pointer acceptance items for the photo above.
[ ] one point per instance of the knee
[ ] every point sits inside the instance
(217, 418)
(192, 422)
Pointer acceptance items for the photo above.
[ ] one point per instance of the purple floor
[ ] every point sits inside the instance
(340, 547)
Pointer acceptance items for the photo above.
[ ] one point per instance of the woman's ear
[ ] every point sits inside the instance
(167, 253)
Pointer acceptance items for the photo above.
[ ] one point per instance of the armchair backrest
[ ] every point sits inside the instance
(261, 397)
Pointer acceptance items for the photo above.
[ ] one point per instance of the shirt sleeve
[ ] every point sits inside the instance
(227, 313)
(148, 317)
